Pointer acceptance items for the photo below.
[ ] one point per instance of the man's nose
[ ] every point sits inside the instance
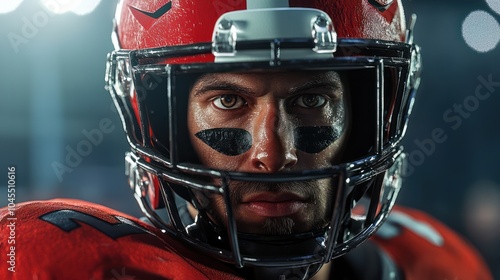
(273, 144)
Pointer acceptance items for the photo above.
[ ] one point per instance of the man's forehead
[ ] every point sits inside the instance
(294, 79)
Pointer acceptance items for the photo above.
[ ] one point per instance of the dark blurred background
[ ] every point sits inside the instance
(52, 97)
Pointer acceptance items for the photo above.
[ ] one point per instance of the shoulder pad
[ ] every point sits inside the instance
(424, 248)
(72, 239)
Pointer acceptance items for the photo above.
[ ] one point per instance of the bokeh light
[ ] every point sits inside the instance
(7, 6)
(494, 5)
(482, 211)
(481, 31)
(79, 7)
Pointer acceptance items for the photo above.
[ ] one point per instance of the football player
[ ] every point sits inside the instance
(265, 144)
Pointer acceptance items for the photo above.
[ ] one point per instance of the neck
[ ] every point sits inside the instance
(323, 273)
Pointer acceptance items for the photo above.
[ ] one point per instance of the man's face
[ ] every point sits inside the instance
(269, 122)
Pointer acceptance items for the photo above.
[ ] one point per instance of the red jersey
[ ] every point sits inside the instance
(71, 239)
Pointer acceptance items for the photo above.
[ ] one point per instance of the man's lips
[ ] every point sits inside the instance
(273, 204)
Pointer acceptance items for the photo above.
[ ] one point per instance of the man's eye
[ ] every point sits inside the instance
(228, 101)
(310, 101)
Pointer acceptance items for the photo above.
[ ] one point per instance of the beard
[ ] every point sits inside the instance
(317, 195)
(278, 226)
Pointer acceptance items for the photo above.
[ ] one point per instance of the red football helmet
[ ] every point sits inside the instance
(162, 46)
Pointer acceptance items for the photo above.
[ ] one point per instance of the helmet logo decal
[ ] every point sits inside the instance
(228, 141)
(314, 139)
(147, 19)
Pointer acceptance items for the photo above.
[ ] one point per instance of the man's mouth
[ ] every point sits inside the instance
(268, 204)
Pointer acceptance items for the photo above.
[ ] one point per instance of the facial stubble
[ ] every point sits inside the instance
(315, 216)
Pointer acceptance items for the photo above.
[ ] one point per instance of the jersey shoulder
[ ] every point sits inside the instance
(424, 248)
(72, 239)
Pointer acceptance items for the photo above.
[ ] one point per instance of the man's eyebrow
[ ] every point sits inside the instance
(208, 85)
(211, 82)
(334, 85)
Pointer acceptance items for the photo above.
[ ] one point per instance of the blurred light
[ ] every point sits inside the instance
(494, 5)
(482, 211)
(59, 6)
(86, 7)
(7, 6)
(481, 31)
(79, 7)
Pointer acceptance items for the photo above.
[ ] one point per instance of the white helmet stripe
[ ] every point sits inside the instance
(263, 4)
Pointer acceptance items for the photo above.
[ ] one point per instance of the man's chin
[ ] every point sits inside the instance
(270, 226)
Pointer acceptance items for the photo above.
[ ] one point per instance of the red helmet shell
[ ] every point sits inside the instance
(150, 24)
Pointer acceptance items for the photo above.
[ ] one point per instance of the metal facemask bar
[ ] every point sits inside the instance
(332, 247)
